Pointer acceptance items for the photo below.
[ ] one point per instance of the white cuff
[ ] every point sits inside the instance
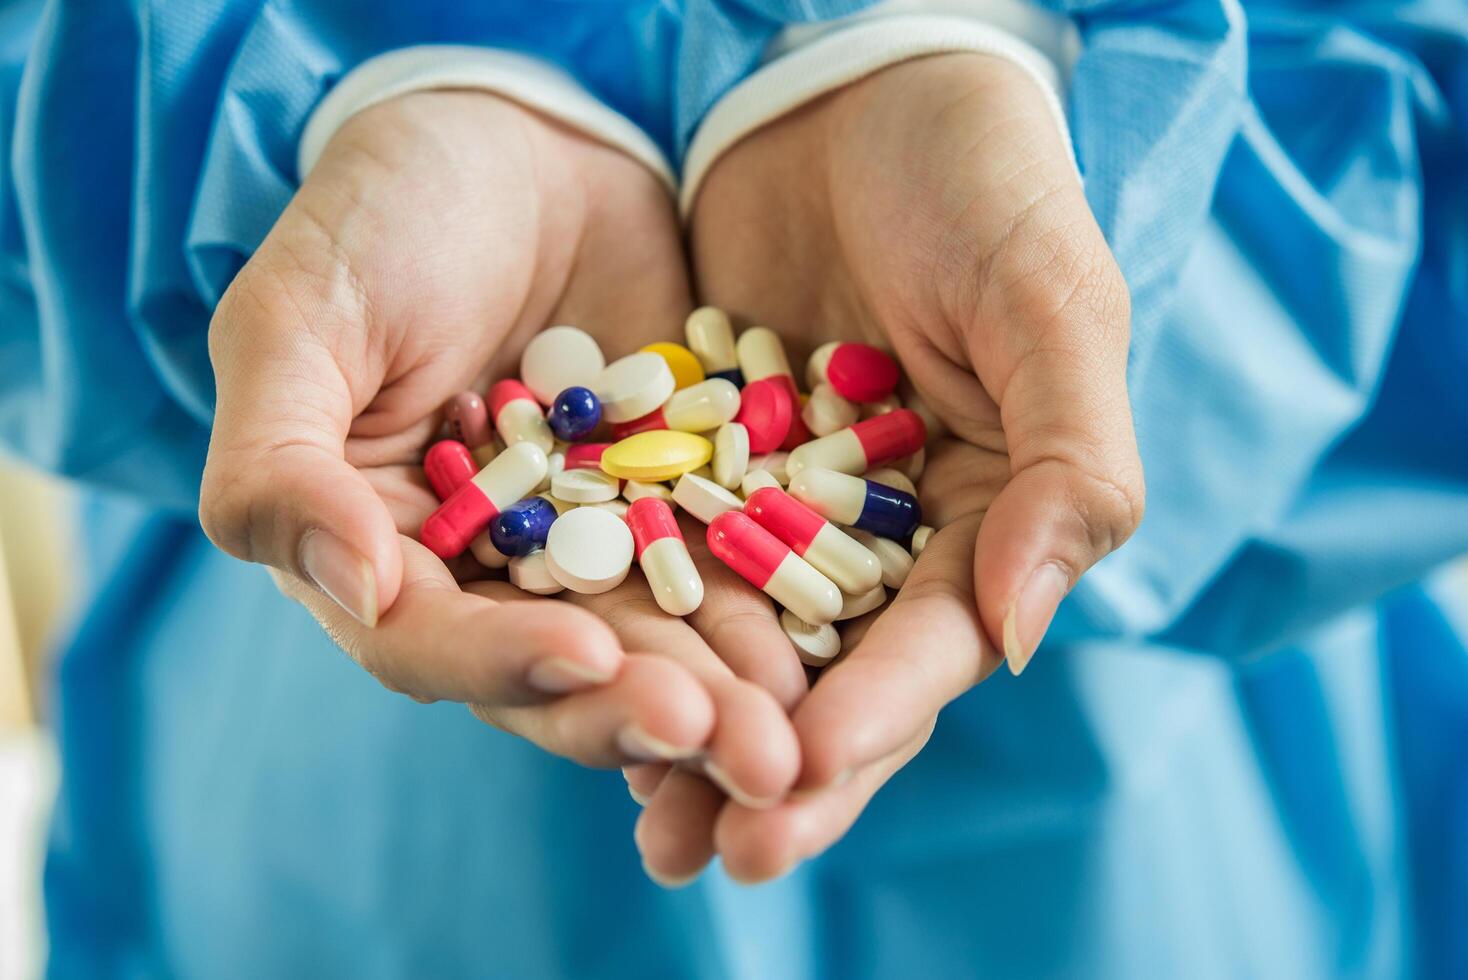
(811, 60)
(533, 83)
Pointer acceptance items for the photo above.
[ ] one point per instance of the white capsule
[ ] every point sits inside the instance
(837, 497)
(615, 507)
(920, 540)
(557, 359)
(518, 417)
(711, 338)
(774, 464)
(896, 561)
(843, 560)
(889, 477)
(486, 553)
(804, 591)
(633, 386)
(816, 645)
(827, 412)
(589, 550)
(757, 480)
(761, 355)
(675, 582)
(706, 405)
(860, 604)
(529, 573)
(815, 368)
(841, 451)
(513, 474)
(581, 486)
(703, 498)
(635, 490)
(731, 455)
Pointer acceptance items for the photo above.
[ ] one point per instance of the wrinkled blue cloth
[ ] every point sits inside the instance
(1239, 754)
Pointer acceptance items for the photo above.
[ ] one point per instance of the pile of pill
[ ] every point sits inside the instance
(810, 498)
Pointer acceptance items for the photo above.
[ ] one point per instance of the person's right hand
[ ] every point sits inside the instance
(438, 233)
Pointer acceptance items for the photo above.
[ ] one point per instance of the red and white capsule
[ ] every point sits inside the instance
(664, 556)
(697, 408)
(517, 416)
(448, 465)
(768, 564)
(867, 445)
(859, 372)
(826, 547)
(511, 476)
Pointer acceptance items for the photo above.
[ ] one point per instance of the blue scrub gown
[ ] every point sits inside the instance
(1241, 752)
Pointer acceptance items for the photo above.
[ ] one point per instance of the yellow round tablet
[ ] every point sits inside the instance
(650, 457)
(686, 369)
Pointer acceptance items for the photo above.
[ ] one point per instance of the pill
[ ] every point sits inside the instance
(687, 371)
(826, 412)
(559, 358)
(711, 336)
(706, 405)
(484, 551)
(554, 463)
(586, 455)
(509, 477)
(850, 500)
(486, 453)
(448, 465)
(815, 645)
(468, 419)
(522, 527)
(731, 455)
(617, 508)
(585, 486)
(768, 564)
(867, 445)
(635, 490)
(889, 404)
(774, 464)
(664, 556)
(766, 410)
(633, 386)
(831, 551)
(757, 480)
(936, 428)
(589, 550)
(853, 606)
(858, 372)
(896, 561)
(762, 357)
(517, 415)
(920, 540)
(891, 478)
(654, 456)
(703, 498)
(574, 414)
(529, 573)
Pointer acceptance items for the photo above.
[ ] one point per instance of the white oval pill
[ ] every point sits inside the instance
(853, 606)
(529, 573)
(635, 490)
(889, 477)
(827, 412)
(816, 645)
(633, 386)
(702, 498)
(486, 553)
(589, 550)
(557, 359)
(920, 540)
(757, 480)
(895, 560)
(731, 455)
(585, 486)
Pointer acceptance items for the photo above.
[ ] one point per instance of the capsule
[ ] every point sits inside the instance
(827, 548)
(850, 500)
(574, 414)
(765, 562)
(826, 411)
(761, 356)
(585, 455)
(468, 419)
(517, 416)
(508, 478)
(448, 465)
(664, 556)
(711, 337)
(859, 372)
(697, 408)
(523, 526)
(867, 445)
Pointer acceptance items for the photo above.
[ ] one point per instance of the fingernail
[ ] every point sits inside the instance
(1029, 617)
(557, 675)
(668, 881)
(342, 573)
(733, 790)
(637, 797)
(841, 779)
(638, 744)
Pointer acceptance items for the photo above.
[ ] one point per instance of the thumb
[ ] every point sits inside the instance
(277, 488)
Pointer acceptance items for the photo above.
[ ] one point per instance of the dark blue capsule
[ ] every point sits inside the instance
(574, 414)
(733, 375)
(522, 527)
(888, 512)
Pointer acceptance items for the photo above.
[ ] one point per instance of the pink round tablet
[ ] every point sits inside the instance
(861, 373)
(766, 411)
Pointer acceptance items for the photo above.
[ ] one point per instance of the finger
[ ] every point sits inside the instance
(441, 643)
(277, 488)
(926, 649)
(760, 845)
(675, 833)
(644, 779)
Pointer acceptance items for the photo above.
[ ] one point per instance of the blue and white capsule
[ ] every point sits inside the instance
(522, 527)
(841, 499)
(574, 414)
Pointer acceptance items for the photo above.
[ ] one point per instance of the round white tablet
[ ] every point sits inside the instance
(635, 490)
(816, 645)
(557, 359)
(633, 386)
(486, 553)
(853, 606)
(530, 574)
(895, 560)
(920, 540)
(757, 480)
(589, 550)
(585, 486)
(889, 477)
(731, 455)
(616, 507)
(704, 499)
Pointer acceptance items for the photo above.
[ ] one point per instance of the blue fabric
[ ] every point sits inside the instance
(1240, 754)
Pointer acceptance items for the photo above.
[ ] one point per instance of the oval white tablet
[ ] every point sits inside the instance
(585, 486)
(635, 490)
(853, 606)
(816, 645)
(557, 359)
(731, 455)
(895, 560)
(589, 550)
(530, 574)
(757, 480)
(704, 498)
(632, 386)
